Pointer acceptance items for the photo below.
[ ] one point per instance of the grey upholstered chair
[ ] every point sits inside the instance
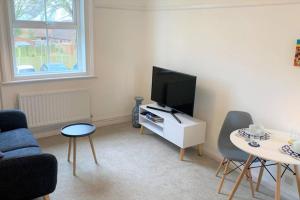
(233, 121)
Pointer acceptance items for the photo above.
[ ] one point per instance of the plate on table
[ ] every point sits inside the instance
(287, 149)
(244, 132)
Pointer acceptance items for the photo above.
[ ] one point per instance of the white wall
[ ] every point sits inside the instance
(242, 57)
(118, 43)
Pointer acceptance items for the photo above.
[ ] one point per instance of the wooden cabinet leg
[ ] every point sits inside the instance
(74, 156)
(261, 171)
(181, 154)
(239, 179)
(200, 149)
(69, 149)
(278, 182)
(220, 166)
(46, 197)
(93, 149)
(142, 130)
(297, 178)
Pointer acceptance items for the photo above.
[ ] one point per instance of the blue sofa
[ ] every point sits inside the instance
(25, 172)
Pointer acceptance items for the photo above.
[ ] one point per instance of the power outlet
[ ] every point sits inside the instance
(289, 180)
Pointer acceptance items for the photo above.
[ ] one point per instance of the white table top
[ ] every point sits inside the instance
(269, 149)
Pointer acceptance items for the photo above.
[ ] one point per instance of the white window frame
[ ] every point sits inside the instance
(84, 34)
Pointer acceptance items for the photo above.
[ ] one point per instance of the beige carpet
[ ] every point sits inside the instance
(136, 167)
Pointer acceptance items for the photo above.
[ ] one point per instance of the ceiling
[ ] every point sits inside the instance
(173, 4)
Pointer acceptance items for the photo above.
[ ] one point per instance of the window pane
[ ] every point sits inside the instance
(29, 10)
(60, 10)
(42, 50)
(30, 50)
(62, 51)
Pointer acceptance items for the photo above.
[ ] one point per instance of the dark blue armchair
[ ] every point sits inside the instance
(25, 172)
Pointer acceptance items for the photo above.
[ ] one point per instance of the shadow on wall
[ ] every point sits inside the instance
(212, 102)
(143, 83)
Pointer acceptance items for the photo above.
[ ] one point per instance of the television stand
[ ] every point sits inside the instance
(172, 112)
(190, 132)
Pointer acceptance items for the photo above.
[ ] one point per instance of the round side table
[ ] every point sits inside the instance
(74, 131)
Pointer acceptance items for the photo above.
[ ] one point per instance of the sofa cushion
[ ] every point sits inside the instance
(15, 139)
(22, 152)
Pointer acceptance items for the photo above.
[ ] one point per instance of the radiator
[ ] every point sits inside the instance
(57, 107)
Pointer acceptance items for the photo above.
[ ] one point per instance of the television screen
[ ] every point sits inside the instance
(173, 89)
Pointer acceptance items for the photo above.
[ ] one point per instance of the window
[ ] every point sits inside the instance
(47, 37)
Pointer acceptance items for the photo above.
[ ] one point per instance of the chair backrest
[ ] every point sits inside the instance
(12, 119)
(234, 120)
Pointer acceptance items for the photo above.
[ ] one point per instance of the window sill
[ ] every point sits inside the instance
(48, 79)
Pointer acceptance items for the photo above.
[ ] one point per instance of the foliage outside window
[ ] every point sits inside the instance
(47, 37)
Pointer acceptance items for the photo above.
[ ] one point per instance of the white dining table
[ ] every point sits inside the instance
(269, 150)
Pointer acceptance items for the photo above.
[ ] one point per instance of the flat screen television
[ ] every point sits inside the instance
(173, 89)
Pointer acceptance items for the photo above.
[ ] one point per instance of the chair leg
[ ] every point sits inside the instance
(261, 171)
(223, 177)
(239, 179)
(220, 166)
(46, 197)
(251, 182)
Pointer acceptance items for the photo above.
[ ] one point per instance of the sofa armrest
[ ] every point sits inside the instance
(12, 119)
(28, 177)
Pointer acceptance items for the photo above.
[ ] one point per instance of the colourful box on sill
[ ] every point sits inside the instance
(297, 55)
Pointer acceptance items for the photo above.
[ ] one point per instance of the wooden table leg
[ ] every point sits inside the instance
(200, 149)
(142, 130)
(297, 178)
(239, 179)
(74, 156)
(181, 154)
(93, 149)
(220, 166)
(251, 182)
(69, 149)
(278, 181)
(261, 171)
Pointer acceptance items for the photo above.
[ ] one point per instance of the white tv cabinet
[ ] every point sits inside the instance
(190, 132)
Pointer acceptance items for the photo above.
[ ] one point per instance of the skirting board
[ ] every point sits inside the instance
(98, 123)
(271, 186)
(112, 121)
